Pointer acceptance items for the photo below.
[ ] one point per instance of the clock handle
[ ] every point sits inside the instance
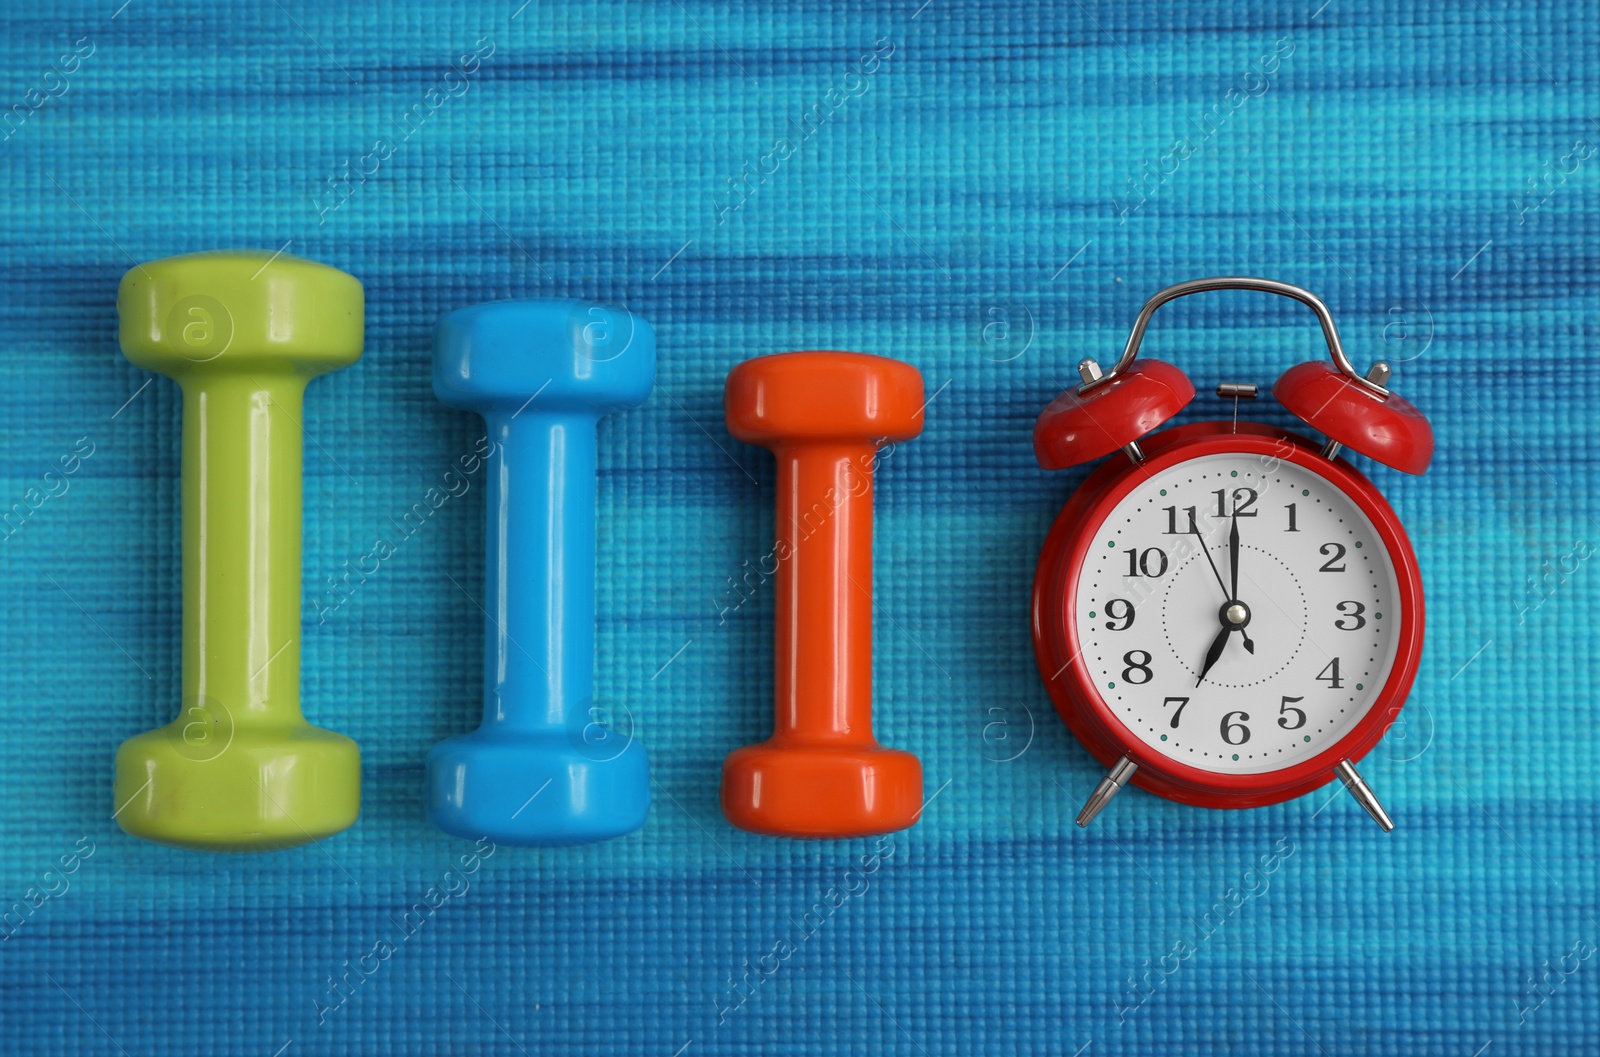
(1093, 378)
(1363, 793)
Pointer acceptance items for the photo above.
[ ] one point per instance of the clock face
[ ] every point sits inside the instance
(1241, 681)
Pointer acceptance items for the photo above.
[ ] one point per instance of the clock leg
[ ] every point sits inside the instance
(1109, 786)
(1363, 794)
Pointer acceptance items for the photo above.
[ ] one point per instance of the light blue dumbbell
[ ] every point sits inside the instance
(546, 767)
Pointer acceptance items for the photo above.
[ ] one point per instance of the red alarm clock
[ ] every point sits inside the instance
(1228, 614)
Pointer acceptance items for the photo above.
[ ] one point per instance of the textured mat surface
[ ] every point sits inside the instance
(967, 203)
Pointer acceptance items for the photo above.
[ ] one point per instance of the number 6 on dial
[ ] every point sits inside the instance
(1232, 616)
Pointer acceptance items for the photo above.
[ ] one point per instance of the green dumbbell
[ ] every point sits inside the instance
(240, 769)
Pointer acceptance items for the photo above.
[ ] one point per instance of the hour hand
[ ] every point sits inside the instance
(1214, 652)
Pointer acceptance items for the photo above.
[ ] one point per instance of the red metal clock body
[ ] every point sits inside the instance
(1231, 615)
(1059, 650)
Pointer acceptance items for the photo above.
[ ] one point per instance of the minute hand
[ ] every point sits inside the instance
(1233, 561)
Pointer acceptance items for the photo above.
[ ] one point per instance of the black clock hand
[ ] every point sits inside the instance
(1233, 557)
(1207, 552)
(1233, 561)
(1214, 653)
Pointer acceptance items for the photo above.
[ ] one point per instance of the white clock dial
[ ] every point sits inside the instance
(1317, 598)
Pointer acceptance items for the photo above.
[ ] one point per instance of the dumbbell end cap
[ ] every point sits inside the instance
(821, 792)
(551, 354)
(797, 396)
(240, 310)
(536, 791)
(262, 789)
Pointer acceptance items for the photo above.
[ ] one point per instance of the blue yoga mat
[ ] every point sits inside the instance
(987, 191)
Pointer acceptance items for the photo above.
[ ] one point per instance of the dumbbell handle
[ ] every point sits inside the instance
(241, 543)
(539, 568)
(823, 677)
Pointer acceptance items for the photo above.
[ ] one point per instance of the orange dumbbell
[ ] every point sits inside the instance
(821, 774)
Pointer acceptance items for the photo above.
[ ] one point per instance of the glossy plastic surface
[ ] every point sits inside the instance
(1076, 428)
(822, 774)
(1057, 649)
(549, 765)
(239, 769)
(1391, 430)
